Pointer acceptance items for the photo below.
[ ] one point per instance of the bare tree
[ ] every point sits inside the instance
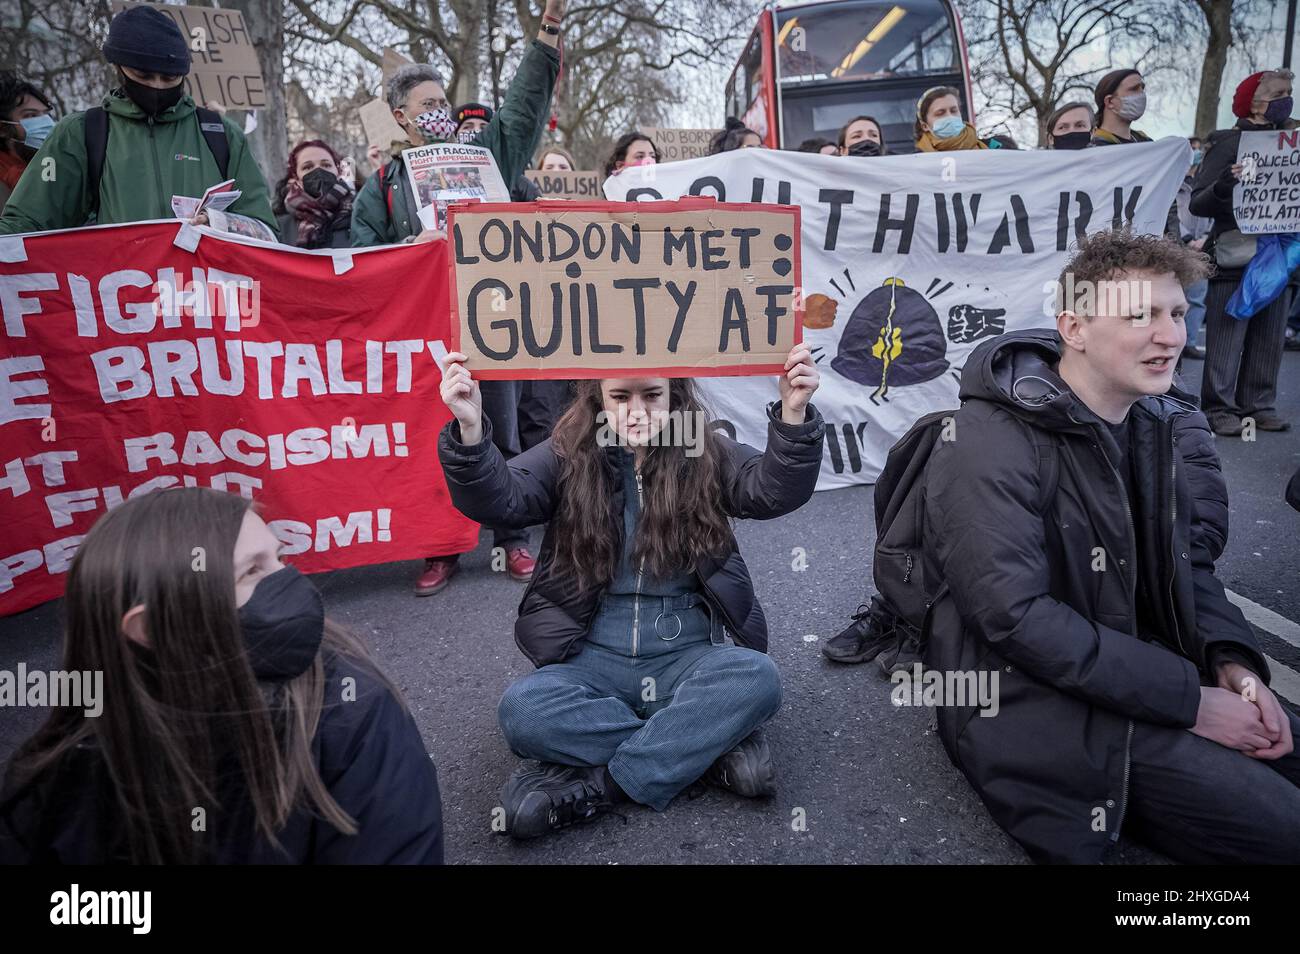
(56, 45)
(625, 61)
(265, 22)
(1028, 56)
(1223, 25)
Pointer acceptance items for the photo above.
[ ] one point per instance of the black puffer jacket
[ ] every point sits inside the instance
(1024, 600)
(554, 615)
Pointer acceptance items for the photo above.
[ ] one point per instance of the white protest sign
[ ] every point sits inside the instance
(944, 251)
(1267, 199)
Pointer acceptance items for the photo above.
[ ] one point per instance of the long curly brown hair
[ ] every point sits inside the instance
(682, 519)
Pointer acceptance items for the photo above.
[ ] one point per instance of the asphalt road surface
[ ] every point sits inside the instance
(860, 780)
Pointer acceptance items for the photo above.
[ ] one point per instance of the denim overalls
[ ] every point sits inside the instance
(654, 693)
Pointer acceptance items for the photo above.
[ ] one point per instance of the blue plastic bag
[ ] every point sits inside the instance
(1276, 257)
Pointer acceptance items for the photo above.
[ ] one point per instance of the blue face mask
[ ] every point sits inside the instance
(37, 129)
(1197, 156)
(948, 127)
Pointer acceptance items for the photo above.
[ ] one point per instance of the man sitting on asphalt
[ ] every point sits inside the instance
(1132, 693)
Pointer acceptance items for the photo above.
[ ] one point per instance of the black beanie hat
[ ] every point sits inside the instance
(1107, 85)
(145, 39)
(472, 111)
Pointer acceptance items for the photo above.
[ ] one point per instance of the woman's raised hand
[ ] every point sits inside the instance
(460, 392)
(798, 382)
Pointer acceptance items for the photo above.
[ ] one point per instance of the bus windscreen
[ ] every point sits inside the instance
(869, 40)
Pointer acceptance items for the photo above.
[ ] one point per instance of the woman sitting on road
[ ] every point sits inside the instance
(238, 724)
(638, 581)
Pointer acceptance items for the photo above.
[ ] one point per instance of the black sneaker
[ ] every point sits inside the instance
(863, 640)
(550, 797)
(747, 769)
(901, 657)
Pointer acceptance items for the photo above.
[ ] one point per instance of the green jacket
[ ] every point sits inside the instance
(513, 136)
(147, 163)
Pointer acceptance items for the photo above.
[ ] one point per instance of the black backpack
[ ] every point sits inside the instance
(210, 125)
(904, 595)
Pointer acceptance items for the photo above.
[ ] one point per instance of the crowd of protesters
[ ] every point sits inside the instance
(1214, 777)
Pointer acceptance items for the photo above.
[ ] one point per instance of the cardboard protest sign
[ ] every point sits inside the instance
(305, 380)
(225, 71)
(601, 289)
(674, 144)
(911, 262)
(567, 185)
(380, 126)
(1267, 199)
(392, 62)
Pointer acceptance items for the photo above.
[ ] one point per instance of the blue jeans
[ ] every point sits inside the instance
(1195, 310)
(657, 702)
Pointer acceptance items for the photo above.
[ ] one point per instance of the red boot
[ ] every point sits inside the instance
(437, 574)
(520, 563)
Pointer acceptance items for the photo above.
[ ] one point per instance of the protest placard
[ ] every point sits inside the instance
(600, 289)
(673, 143)
(443, 173)
(380, 127)
(1267, 199)
(392, 62)
(224, 70)
(307, 381)
(567, 185)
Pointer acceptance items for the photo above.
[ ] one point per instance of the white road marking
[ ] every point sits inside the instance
(1266, 619)
(1286, 681)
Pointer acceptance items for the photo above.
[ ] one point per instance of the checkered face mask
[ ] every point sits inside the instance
(436, 125)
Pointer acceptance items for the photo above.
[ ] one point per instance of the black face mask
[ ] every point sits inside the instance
(153, 101)
(1072, 140)
(866, 148)
(317, 182)
(282, 623)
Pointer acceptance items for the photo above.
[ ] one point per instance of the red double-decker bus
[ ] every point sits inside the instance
(809, 68)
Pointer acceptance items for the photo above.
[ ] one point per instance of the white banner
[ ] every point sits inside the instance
(909, 262)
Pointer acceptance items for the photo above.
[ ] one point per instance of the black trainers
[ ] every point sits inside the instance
(549, 797)
(900, 657)
(747, 769)
(862, 641)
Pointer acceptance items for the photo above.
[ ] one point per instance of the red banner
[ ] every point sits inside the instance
(152, 355)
